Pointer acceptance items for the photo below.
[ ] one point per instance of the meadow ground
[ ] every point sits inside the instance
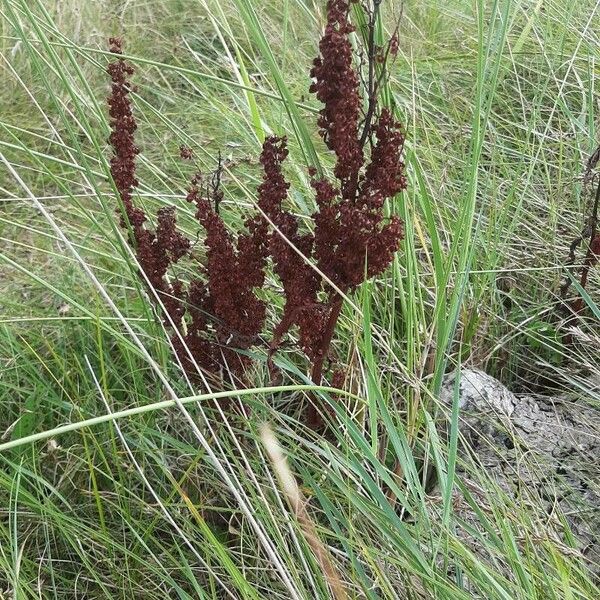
(499, 104)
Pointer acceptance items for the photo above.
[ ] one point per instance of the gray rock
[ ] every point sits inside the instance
(544, 452)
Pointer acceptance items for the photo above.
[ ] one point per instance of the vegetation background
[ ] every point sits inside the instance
(499, 102)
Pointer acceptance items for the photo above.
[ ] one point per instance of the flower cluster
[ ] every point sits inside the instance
(336, 85)
(234, 269)
(219, 313)
(351, 240)
(350, 233)
(289, 249)
(348, 238)
(123, 126)
(156, 250)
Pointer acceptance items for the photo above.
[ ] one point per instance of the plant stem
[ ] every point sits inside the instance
(315, 419)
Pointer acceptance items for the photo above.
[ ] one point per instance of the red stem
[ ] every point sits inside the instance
(315, 420)
(590, 257)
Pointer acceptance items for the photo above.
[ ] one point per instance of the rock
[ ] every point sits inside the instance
(544, 453)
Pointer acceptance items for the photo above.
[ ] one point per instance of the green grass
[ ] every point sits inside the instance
(115, 481)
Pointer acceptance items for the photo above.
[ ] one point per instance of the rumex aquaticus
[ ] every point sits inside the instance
(217, 312)
(590, 237)
(347, 239)
(352, 239)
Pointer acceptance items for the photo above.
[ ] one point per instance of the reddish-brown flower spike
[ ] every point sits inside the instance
(327, 228)
(384, 176)
(351, 239)
(336, 85)
(172, 242)
(233, 270)
(287, 247)
(349, 233)
(155, 251)
(274, 188)
(196, 350)
(123, 126)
